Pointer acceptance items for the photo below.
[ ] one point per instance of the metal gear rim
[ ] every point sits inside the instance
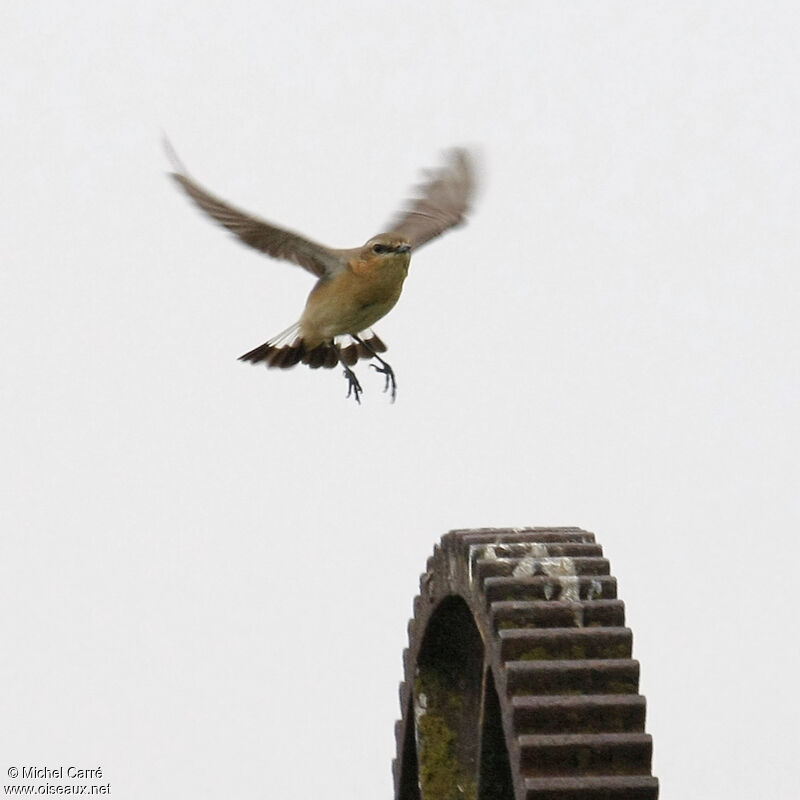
(518, 680)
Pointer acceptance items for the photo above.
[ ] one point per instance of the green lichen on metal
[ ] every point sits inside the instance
(535, 654)
(577, 651)
(442, 775)
(622, 650)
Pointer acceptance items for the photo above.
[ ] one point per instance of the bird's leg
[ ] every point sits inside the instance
(353, 386)
(384, 369)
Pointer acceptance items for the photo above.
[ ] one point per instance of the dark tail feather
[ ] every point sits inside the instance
(289, 355)
(350, 354)
(260, 353)
(274, 356)
(331, 358)
(318, 357)
(325, 355)
(374, 342)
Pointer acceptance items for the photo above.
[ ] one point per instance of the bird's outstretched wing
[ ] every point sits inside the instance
(443, 203)
(258, 233)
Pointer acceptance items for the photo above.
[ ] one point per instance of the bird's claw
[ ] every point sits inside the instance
(388, 373)
(353, 386)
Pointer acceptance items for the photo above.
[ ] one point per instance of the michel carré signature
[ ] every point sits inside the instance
(61, 772)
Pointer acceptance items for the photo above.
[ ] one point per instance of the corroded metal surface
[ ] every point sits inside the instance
(519, 682)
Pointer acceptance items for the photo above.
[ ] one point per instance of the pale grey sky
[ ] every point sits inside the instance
(207, 568)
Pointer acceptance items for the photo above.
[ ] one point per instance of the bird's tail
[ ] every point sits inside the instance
(288, 349)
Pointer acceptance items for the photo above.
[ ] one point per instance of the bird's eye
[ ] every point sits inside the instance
(379, 248)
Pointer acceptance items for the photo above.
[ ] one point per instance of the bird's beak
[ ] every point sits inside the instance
(404, 248)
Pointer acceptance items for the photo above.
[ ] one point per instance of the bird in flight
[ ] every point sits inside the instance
(355, 287)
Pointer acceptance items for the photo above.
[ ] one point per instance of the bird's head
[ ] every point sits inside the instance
(386, 254)
(387, 245)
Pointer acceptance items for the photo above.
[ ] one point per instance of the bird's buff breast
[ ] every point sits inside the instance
(351, 302)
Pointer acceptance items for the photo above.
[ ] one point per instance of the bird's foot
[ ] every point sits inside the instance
(390, 383)
(353, 386)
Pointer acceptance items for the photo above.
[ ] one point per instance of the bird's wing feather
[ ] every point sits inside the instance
(443, 202)
(258, 233)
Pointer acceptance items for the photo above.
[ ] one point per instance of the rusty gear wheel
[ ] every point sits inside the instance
(519, 682)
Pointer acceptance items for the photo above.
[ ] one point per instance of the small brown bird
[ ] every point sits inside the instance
(355, 287)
